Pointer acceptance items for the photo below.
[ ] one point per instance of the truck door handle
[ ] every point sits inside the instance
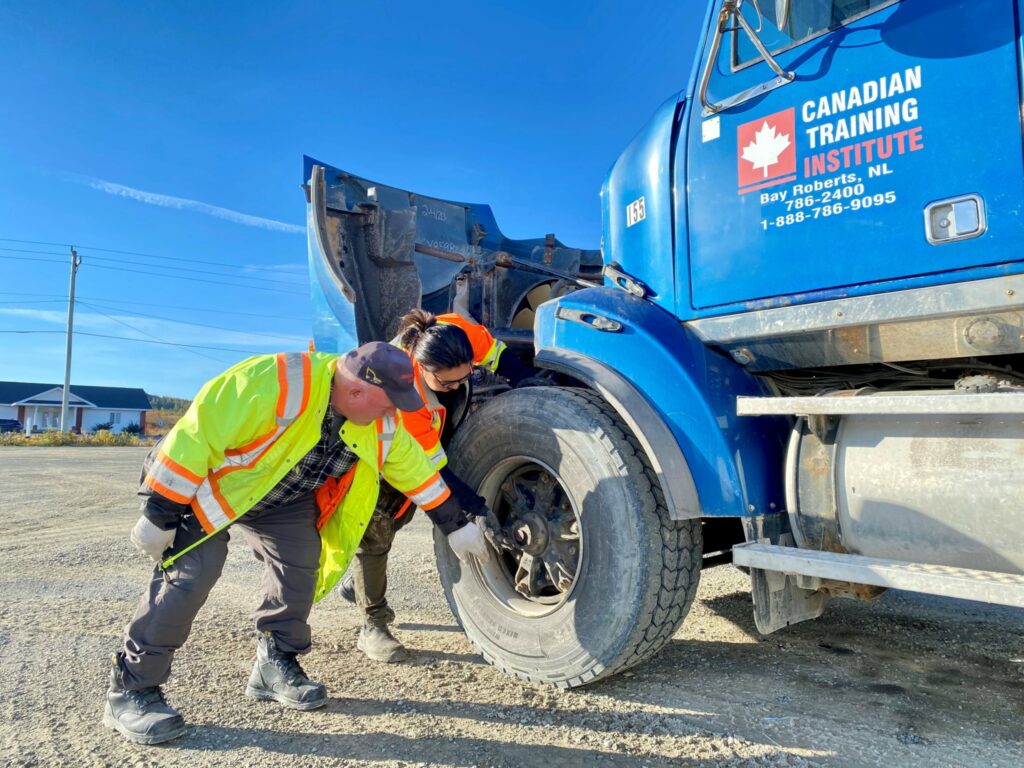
(955, 218)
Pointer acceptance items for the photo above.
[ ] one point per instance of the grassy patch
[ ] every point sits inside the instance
(102, 437)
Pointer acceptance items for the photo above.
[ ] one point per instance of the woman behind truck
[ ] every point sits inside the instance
(443, 349)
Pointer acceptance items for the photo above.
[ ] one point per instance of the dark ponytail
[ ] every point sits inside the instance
(435, 346)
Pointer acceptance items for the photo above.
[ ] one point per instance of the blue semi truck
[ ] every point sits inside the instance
(800, 348)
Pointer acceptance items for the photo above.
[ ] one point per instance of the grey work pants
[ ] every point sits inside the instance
(284, 539)
(370, 565)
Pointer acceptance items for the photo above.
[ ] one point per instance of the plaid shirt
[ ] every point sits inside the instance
(330, 457)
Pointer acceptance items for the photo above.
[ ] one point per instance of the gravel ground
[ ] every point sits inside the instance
(906, 681)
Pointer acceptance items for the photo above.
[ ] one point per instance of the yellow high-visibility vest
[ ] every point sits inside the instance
(249, 426)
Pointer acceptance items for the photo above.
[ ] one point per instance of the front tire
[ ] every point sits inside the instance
(594, 576)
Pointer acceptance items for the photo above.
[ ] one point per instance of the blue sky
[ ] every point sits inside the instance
(164, 137)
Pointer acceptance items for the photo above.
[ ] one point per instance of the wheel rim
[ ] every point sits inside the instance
(536, 570)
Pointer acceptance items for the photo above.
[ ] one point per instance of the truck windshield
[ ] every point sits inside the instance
(806, 19)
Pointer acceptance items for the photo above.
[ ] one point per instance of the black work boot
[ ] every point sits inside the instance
(142, 716)
(348, 589)
(348, 593)
(278, 677)
(379, 644)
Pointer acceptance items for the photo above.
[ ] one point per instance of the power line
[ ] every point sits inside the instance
(26, 250)
(162, 274)
(178, 320)
(200, 309)
(166, 343)
(126, 261)
(180, 269)
(35, 301)
(24, 293)
(163, 306)
(29, 258)
(132, 253)
(141, 341)
(196, 280)
(146, 333)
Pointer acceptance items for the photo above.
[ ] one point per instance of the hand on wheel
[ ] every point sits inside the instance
(492, 529)
(468, 541)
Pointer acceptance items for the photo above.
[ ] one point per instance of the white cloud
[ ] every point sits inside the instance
(182, 203)
(299, 269)
(300, 272)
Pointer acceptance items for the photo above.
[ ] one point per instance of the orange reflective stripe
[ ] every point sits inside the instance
(430, 495)
(204, 521)
(380, 444)
(175, 484)
(404, 509)
(437, 502)
(215, 509)
(174, 466)
(250, 446)
(164, 491)
(386, 428)
(307, 380)
(234, 460)
(221, 500)
(229, 468)
(423, 486)
(282, 384)
(293, 381)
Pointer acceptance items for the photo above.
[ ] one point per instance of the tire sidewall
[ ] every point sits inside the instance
(588, 631)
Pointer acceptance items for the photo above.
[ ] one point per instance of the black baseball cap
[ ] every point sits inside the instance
(387, 367)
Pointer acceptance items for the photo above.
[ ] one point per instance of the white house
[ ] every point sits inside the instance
(37, 406)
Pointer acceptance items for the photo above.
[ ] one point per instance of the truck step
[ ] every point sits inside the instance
(963, 583)
(932, 404)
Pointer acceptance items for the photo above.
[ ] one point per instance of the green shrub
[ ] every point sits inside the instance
(106, 425)
(131, 429)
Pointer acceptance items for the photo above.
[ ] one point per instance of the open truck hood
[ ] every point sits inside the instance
(375, 252)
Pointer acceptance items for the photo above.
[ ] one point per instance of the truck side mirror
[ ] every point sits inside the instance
(730, 15)
(781, 14)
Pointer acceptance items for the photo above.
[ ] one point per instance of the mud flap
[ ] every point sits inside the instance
(779, 601)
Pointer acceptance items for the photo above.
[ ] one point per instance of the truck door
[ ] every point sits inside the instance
(893, 156)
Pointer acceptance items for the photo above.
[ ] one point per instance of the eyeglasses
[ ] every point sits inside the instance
(452, 384)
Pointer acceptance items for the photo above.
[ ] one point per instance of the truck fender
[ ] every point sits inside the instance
(676, 394)
(646, 423)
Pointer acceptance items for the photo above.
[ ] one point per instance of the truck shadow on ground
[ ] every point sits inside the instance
(905, 657)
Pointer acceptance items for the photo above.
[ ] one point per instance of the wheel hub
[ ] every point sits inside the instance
(539, 536)
(532, 534)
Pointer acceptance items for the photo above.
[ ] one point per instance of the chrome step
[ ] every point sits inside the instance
(932, 404)
(963, 583)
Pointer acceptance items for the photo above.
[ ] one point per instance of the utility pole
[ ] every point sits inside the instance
(76, 260)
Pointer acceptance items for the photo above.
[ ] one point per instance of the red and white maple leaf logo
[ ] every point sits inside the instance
(766, 147)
